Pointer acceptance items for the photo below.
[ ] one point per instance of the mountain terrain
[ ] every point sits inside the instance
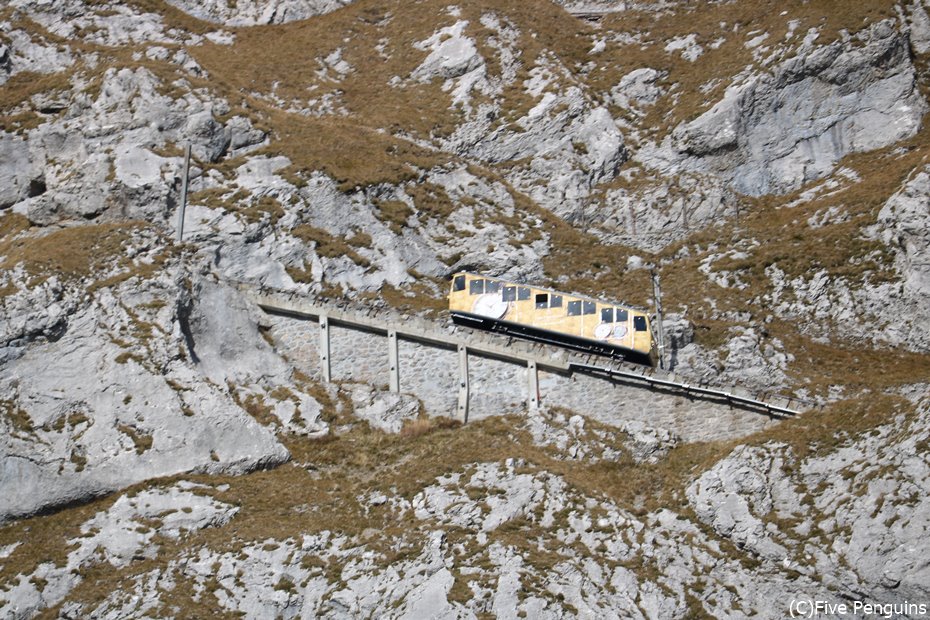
(164, 452)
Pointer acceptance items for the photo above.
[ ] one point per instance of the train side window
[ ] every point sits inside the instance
(555, 301)
(589, 307)
(509, 293)
(492, 287)
(476, 287)
(639, 323)
(458, 284)
(574, 308)
(607, 315)
(542, 300)
(622, 315)
(523, 293)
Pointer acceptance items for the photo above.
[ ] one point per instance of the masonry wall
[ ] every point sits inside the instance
(431, 373)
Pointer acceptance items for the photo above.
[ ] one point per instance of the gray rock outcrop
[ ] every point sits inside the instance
(112, 399)
(778, 130)
(252, 12)
(856, 511)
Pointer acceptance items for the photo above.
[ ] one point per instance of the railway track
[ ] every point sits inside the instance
(507, 348)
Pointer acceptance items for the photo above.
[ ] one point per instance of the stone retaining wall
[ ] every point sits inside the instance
(431, 374)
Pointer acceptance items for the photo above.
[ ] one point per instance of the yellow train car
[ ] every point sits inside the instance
(545, 315)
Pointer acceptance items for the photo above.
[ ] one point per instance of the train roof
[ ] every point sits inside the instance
(622, 304)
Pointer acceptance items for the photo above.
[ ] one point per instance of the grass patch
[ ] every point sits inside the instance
(77, 252)
(142, 441)
(328, 245)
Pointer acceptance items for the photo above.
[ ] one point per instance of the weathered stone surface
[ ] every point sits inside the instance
(829, 513)
(252, 12)
(386, 411)
(125, 532)
(19, 177)
(99, 411)
(775, 131)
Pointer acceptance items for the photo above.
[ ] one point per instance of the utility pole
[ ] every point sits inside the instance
(660, 336)
(187, 173)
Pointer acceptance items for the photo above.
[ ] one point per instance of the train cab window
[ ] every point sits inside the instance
(639, 323)
(509, 293)
(555, 301)
(574, 308)
(458, 284)
(588, 307)
(476, 287)
(622, 315)
(523, 293)
(542, 300)
(607, 315)
(492, 287)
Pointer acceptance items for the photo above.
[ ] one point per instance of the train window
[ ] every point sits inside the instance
(542, 300)
(523, 293)
(492, 287)
(589, 307)
(476, 287)
(622, 315)
(607, 315)
(639, 323)
(458, 284)
(555, 301)
(509, 293)
(574, 308)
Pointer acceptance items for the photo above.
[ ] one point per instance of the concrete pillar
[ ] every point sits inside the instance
(187, 174)
(532, 385)
(463, 384)
(324, 348)
(393, 361)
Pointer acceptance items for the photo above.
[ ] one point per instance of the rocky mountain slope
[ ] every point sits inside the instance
(160, 455)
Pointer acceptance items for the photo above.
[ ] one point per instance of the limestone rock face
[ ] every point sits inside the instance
(833, 506)
(776, 128)
(19, 177)
(150, 363)
(110, 399)
(254, 12)
(781, 129)
(905, 226)
(117, 536)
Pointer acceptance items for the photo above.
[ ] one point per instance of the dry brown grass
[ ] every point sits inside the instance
(328, 245)
(425, 425)
(68, 252)
(785, 239)
(705, 20)
(141, 441)
(330, 474)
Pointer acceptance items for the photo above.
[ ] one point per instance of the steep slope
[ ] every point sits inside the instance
(767, 160)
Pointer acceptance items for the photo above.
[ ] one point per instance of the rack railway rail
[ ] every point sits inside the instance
(471, 342)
